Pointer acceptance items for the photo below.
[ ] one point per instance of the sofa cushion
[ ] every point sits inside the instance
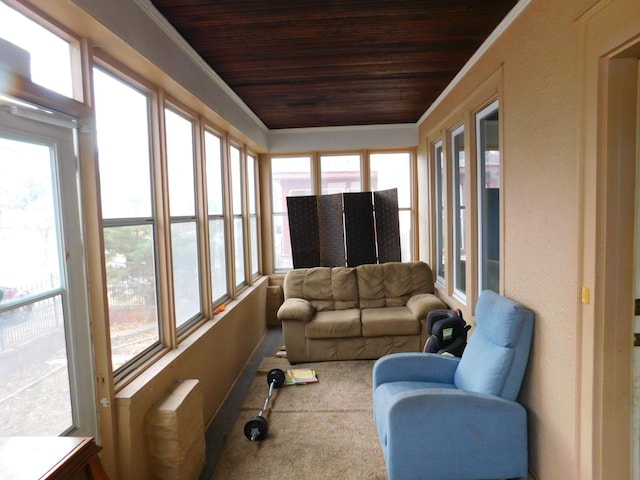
(391, 284)
(334, 324)
(325, 288)
(379, 322)
(344, 284)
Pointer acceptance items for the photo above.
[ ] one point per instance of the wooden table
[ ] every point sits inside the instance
(51, 458)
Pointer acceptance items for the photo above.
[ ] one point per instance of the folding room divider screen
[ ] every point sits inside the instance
(344, 229)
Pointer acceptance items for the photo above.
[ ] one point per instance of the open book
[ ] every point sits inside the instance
(300, 376)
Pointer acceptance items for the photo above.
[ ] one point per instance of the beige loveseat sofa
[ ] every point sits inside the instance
(346, 313)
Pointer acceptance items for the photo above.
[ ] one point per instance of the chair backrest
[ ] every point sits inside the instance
(496, 356)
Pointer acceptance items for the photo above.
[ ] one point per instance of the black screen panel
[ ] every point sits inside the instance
(359, 228)
(387, 225)
(331, 230)
(303, 228)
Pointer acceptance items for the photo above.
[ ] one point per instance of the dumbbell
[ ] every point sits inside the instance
(258, 426)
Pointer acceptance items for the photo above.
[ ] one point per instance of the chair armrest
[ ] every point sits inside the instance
(423, 303)
(296, 309)
(423, 426)
(414, 367)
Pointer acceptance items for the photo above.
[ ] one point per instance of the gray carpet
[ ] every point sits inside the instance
(218, 431)
(318, 431)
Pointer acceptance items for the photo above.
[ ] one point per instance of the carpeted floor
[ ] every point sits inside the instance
(316, 431)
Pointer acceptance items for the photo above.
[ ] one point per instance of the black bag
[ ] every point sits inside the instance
(447, 332)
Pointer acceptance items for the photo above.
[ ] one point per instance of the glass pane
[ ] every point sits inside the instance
(392, 170)
(489, 198)
(213, 146)
(236, 181)
(186, 283)
(457, 187)
(440, 204)
(283, 257)
(29, 237)
(238, 235)
(179, 132)
(340, 173)
(32, 333)
(254, 245)
(131, 290)
(404, 218)
(50, 55)
(290, 177)
(218, 258)
(123, 148)
(251, 184)
(36, 393)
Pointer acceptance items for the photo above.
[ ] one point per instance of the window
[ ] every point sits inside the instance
(290, 176)
(340, 173)
(49, 55)
(253, 213)
(488, 145)
(458, 190)
(128, 216)
(440, 212)
(182, 209)
(215, 203)
(393, 170)
(235, 161)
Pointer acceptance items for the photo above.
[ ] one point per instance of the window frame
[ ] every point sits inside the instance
(479, 117)
(238, 217)
(179, 329)
(253, 214)
(283, 214)
(221, 216)
(315, 182)
(440, 212)
(459, 224)
(118, 73)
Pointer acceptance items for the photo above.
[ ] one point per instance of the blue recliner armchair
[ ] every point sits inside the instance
(447, 418)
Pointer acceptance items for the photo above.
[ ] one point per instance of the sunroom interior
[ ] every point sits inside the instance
(519, 176)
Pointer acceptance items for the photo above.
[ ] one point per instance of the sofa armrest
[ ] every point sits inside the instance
(296, 309)
(423, 303)
(414, 367)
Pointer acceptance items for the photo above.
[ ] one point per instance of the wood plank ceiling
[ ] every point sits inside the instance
(318, 63)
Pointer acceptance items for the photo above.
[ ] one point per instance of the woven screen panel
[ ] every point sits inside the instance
(331, 230)
(359, 227)
(303, 228)
(387, 225)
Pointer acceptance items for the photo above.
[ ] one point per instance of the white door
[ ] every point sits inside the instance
(46, 364)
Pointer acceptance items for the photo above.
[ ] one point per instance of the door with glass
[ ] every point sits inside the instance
(46, 364)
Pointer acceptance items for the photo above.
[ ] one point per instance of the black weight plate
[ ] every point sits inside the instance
(277, 375)
(256, 429)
